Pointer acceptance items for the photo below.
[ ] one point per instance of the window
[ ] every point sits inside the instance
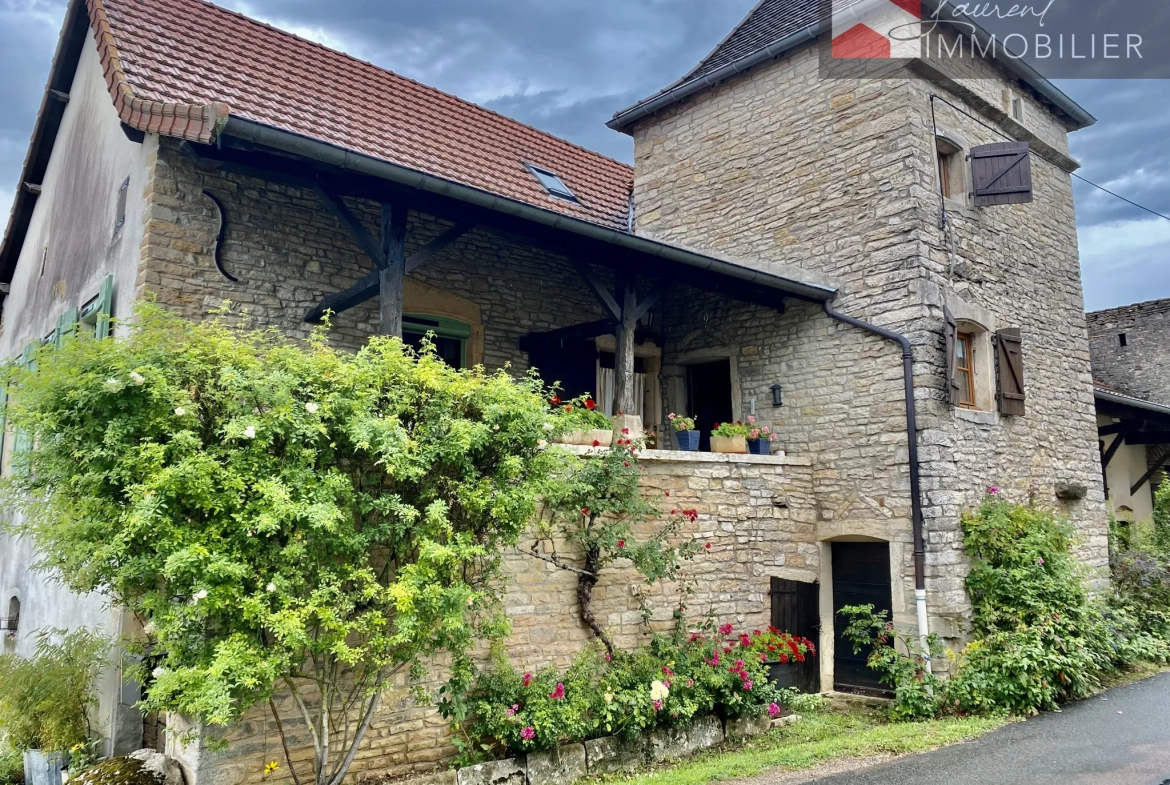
(552, 183)
(965, 369)
(952, 182)
(96, 311)
(1121, 339)
(449, 336)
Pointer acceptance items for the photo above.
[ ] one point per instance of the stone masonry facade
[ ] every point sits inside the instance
(779, 166)
(759, 513)
(1130, 347)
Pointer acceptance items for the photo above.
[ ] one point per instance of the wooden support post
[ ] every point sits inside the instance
(627, 296)
(390, 276)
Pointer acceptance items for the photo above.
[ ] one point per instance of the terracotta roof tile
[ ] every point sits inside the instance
(210, 61)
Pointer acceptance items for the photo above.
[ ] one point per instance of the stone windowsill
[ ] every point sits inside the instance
(680, 456)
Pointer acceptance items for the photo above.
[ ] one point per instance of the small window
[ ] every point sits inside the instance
(1018, 108)
(1121, 339)
(120, 214)
(552, 183)
(965, 369)
(952, 183)
(449, 336)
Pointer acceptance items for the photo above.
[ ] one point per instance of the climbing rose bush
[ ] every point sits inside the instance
(280, 516)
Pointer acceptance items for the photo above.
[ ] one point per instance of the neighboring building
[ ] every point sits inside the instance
(1130, 350)
(188, 153)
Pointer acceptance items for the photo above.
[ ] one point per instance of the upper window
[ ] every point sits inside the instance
(552, 183)
(965, 369)
(449, 336)
(952, 182)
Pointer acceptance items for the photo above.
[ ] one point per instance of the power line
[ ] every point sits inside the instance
(934, 97)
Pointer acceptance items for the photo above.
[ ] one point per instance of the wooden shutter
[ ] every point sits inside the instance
(3, 412)
(1001, 173)
(1009, 364)
(107, 308)
(951, 331)
(66, 325)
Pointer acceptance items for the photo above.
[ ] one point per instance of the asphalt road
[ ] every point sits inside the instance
(1121, 737)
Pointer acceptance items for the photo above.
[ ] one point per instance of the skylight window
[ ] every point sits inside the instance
(552, 183)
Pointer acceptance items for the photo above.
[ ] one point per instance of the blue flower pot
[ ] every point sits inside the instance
(760, 447)
(688, 440)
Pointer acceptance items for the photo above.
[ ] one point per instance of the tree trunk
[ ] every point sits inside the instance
(585, 583)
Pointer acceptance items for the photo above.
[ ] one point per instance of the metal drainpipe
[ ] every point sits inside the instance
(915, 485)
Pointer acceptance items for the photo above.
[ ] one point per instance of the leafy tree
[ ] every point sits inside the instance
(281, 517)
(601, 511)
(1162, 516)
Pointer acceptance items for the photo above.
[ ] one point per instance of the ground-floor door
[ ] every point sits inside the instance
(796, 609)
(861, 576)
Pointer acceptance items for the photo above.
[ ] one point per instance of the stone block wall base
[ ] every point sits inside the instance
(705, 732)
(560, 766)
(613, 754)
(746, 727)
(496, 772)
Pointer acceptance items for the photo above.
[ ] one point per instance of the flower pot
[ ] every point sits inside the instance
(688, 440)
(760, 446)
(733, 444)
(603, 438)
(783, 674)
(43, 768)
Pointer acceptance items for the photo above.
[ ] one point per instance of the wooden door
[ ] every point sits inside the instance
(861, 576)
(796, 609)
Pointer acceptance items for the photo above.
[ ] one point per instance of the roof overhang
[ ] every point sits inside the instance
(1133, 403)
(802, 285)
(625, 119)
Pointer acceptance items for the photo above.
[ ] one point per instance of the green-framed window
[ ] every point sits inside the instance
(95, 313)
(450, 336)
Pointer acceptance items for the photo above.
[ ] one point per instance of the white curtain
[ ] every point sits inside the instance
(606, 385)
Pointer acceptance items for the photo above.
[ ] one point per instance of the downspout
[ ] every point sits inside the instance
(915, 484)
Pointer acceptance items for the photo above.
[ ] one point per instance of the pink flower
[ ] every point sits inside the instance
(510, 712)
(1040, 561)
(559, 693)
(690, 682)
(657, 705)
(666, 669)
(527, 679)
(725, 629)
(666, 684)
(528, 734)
(773, 710)
(714, 661)
(747, 685)
(707, 546)
(993, 490)
(621, 543)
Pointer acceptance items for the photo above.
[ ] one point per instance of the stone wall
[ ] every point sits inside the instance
(778, 166)
(1141, 367)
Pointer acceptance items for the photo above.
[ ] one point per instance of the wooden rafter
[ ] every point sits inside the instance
(1118, 440)
(346, 217)
(603, 296)
(1158, 464)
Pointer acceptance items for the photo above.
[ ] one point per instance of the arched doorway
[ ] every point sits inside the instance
(861, 576)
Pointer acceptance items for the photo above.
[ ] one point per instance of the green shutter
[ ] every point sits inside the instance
(3, 411)
(21, 442)
(97, 311)
(66, 325)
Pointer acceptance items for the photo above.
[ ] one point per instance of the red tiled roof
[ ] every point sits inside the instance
(179, 67)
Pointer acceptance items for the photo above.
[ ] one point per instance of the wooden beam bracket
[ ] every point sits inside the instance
(1158, 464)
(343, 214)
(603, 296)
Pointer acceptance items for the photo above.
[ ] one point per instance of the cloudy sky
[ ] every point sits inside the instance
(567, 65)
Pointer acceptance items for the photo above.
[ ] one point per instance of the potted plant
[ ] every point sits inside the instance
(684, 432)
(730, 437)
(581, 423)
(780, 652)
(760, 438)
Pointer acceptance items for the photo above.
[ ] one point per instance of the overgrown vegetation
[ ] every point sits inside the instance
(45, 699)
(11, 767)
(1039, 637)
(281, 517)
(672, 681)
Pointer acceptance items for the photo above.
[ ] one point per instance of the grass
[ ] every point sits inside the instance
(816, 739)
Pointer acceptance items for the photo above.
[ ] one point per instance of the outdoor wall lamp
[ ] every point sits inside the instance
(777, 395)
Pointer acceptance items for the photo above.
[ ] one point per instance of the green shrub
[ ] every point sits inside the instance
(898, 660)
(11, 767)
(1162, 517)
(45, 700)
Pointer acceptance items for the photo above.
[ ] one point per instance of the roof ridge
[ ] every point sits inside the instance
(698, 66)
(196, 122)
(423, 85)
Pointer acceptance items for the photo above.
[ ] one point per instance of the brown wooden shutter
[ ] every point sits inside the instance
(1009, 363)
(951, 331)
(1001, 173)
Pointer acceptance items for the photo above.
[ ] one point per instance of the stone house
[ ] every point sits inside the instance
(1130, 351)
(813, 252)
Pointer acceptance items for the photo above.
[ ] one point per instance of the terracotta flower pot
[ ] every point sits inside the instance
(732, 444)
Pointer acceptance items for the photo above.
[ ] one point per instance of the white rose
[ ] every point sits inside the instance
(311, 407)
(113, 384)
(151, 628)
(180, 411)
(541, 444)
(658, 691)
(137, 378)
(271, 586)
(159, 672)
(250, 432)
(200, 595)
(548, 426)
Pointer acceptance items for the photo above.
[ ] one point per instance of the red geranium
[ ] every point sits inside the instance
(589, 404)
